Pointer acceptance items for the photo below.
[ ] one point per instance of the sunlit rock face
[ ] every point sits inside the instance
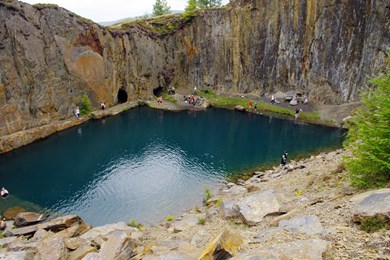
(50, 57)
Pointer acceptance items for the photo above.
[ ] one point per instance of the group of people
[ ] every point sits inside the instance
(251, 105)
(76, 111)
(191, 99)
(171, 90)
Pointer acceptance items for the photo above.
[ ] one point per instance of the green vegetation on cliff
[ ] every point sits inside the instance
(369, 136)
(85, 105)
(231, 102)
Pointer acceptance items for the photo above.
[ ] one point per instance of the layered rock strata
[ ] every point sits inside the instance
(50, 57)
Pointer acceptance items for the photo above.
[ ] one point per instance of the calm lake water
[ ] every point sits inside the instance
(146, 164)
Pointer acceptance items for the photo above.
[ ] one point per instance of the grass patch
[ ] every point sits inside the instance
(231, 102)
(169, 98)
(201, 221)
(134, 223)
(207, 194)
(196, 208)
(170, 218)
(219, 202)
(375, 223)
(299, 193)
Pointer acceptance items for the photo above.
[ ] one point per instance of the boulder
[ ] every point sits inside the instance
(73, 243)
(311, 249)
(105, 230)
(25, 231)
(197, 238)
(308, 224)
(23, 245)
(54, 225)
(18, 255)
(237, 190)
(170, 249)
(239, 108)
(92, 256)
(52, 248)
(254, 207)
(227, 209)
(41, 234)
(371, 203)
(6, 240)
(187, 222)
(28, 218)
(280, 95)
(80, 252)
(117, 246)
(224, 246)
(267, 234)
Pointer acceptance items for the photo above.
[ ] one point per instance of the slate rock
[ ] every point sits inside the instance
(370, 203)
(28, 218)
(308, 224)
(311, 249)
(224, 246)
(254, 207)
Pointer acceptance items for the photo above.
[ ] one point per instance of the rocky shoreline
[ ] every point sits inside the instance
(305, 210)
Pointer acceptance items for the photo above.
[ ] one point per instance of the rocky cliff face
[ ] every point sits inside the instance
(50, 57)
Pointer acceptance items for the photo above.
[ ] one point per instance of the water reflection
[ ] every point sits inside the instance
(146, 164)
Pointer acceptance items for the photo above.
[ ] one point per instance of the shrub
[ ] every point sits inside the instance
(85, 105)
(368, 139)
(207, 194)
(375, 223)
(219, 202)
(134, 223)
(201, 221)
(196, 208)
(170, 218)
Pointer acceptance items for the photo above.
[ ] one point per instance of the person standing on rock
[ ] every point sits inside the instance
(102, 106)
(297, 111)
(283, 161)
(4, 193)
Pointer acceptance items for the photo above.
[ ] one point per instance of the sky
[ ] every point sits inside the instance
(110, 10)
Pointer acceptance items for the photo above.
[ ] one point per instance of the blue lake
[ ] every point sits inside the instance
(146, 164)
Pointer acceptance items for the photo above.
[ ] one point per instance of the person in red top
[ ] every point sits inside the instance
(251, 104)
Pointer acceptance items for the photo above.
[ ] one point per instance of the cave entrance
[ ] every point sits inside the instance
(122, 96)
(158, 91)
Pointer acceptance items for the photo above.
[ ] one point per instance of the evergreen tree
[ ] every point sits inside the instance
(190, 9)
(205, 4)
(369, 137)
(161, 7)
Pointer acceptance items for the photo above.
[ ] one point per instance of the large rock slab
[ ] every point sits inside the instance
(19, 255)
(54, 225)
(117, 246)
(311, 249)
(227, 209)
(224, 246)
(308, 224)
(28, 218)
(52, 248)
(170, 249)
(253, 208)
(80, 252)
(187, 222)
(371, 203)
(105, 230)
